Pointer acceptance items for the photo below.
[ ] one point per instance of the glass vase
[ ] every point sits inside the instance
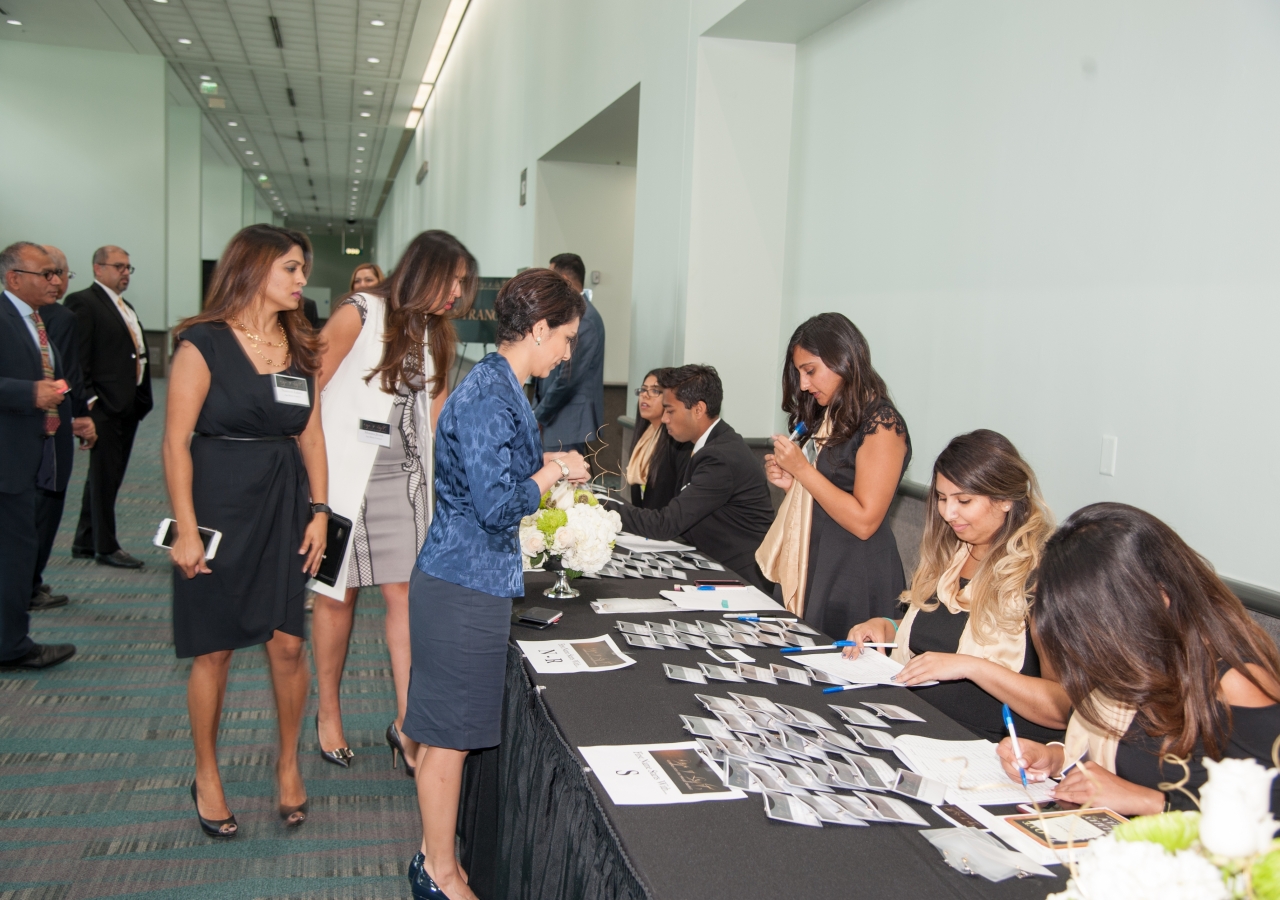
(561, 590)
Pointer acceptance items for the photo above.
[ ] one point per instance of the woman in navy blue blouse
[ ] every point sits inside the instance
(490, 472)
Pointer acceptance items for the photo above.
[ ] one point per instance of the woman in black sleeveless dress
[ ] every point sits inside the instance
(244, 456)
(853, 571)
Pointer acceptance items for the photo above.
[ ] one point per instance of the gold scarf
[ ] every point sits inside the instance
(783, 555)
(642, 455)
(1100, 745)
(1009, 650)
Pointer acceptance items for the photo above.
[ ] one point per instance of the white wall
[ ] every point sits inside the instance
(737, 222)
(83, 160)
(184, 213)
(220, 210)
(591, 210)
(1060, 220)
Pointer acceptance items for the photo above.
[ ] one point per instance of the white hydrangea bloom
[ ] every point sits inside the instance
(1137, 870)
(586, 540)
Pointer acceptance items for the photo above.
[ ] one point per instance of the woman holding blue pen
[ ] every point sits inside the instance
(831, 548)
(1160, 659)
(490, 472)
(969, 603)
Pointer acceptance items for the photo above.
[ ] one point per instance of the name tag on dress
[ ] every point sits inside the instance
(374, 433)
(290, 389)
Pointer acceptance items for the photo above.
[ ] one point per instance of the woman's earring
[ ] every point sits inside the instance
(538, 341)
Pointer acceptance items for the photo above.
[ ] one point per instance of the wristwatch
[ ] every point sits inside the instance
(563, 468)
(320, 508)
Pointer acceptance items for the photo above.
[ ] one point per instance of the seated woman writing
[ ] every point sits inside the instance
(966, 625)
(1160, 660)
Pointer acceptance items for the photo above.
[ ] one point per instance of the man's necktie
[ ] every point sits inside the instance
(131, 322)
(51, 418)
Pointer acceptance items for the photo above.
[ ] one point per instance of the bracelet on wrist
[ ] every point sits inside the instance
(320, 508)
(891, 622)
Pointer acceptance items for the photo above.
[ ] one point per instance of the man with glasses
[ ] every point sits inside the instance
(32, 388)
(117, 377)
(60, 322)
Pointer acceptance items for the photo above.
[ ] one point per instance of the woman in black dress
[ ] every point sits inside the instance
(849, 569)
(970, 597)
(244, 455)
(653, 467)
(1157, 655)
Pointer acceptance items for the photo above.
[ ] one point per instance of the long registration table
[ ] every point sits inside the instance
(535, 824)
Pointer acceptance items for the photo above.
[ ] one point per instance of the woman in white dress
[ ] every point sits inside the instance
(383, 380)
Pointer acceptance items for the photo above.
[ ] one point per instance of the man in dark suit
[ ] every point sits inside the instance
(117, 375)
(570, 401)
(30, 397)
(723, 506)
(60, 323)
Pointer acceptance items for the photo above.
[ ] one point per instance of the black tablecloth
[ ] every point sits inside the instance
(534, 825)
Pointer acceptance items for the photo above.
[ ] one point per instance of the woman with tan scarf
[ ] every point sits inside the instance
(970, 598)
(653, 466)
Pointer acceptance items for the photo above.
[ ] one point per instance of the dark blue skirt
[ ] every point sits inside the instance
(459, 642)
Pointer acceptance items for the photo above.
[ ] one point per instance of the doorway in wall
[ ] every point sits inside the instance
(585, 203)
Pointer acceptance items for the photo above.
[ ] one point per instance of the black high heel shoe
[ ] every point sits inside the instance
(214, 827)
(397, 750)
(339, 757)
(422, 885)
(287, 814)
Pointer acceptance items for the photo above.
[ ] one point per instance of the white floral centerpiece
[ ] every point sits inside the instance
(570, 533)
(1224, 852)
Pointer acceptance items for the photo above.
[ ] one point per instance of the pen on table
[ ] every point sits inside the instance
(836, 646)
(750, 618)
(1013, 737)
(842, 687)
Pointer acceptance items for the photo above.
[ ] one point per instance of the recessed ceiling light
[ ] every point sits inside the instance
(367, 93)
(14, 22)
(256, 163)
(205, 78)
(242, 140)
(184, 40)
(377, 23)
(374, 60)
(358, 171)
(365, 115)
(248, 153)
(359, 160)
(362, 134)
(360, 148)
(162, 1)
(355, 181)
(233, 124)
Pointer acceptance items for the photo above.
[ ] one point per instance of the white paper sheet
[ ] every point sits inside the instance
(615, 605)
(637, 544)
(731, 600)
(1013, 837)
(970, 770)
(599, 654)
(869, 668)
(642, 774)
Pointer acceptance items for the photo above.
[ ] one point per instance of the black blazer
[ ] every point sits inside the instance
(723, 506)
(108, 358)
(21, 423)
(666, 469)
(61, 324)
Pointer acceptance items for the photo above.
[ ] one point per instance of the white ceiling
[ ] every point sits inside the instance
(323, 61)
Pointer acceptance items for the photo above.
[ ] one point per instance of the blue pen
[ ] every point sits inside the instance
(842, 687)
(754, 618)
(800, 431)
(1013, 737)
(820, 647)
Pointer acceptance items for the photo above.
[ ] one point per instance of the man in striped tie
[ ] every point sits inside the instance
(31, 390)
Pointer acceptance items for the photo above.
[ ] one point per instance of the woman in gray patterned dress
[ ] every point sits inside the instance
(388, 351)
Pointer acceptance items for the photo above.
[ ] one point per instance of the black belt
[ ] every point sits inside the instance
(227, 437)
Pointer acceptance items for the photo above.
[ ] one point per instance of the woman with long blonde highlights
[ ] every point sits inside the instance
(387, 355)
(969, 604)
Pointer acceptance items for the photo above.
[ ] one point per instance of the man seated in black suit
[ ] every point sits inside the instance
(31, 392)
(722, 506)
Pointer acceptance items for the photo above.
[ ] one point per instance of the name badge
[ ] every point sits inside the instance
(290, 389)
(374, 433)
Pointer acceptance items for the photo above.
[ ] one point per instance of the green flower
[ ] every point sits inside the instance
(582, 495)
(1266, 877)
(544, 500)
(551, 519)
(1172, 830)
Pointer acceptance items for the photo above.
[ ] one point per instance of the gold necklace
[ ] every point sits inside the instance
(255, 340)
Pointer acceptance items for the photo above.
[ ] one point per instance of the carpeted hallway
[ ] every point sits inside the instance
(96, 759)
